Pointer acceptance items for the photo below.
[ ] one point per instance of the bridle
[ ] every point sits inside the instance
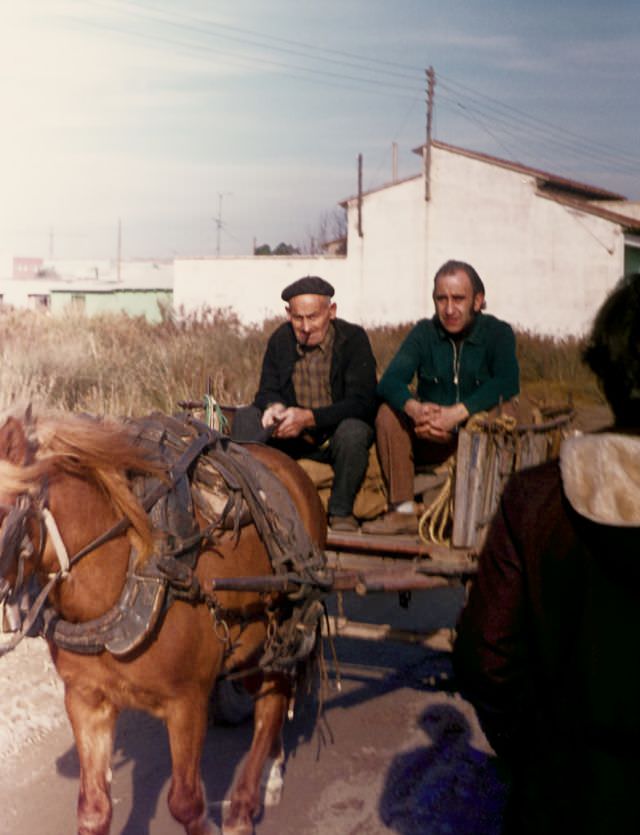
(17, 549)
(16, 545)
(14, 539)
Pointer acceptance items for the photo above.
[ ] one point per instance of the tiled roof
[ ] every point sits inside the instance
(545, 179)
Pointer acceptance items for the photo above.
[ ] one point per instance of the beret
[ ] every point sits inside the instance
(309, 284)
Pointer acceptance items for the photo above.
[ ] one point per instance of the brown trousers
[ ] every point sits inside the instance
(400, 451)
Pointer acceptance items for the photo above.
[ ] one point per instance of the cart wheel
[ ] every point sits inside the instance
(232, 704)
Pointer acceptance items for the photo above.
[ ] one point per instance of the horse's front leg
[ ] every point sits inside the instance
(262, 769)
(93, 719)
(186, 725)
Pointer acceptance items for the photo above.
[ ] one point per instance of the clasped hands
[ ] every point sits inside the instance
(433, 422)
(287, 422)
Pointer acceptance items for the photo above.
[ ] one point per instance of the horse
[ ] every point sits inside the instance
(66, 487)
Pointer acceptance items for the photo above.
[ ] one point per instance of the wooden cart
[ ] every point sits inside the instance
(458, 510)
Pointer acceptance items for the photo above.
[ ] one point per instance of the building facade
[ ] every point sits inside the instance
(548, 248)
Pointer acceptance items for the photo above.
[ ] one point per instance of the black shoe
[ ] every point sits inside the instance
(345, 524)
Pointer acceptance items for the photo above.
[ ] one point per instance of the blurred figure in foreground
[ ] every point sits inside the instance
(547, 646)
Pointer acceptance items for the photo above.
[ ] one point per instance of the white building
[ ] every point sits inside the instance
(137, 287)
(548, 248)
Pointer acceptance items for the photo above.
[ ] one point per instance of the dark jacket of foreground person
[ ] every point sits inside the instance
(352, 376)
(548, 644)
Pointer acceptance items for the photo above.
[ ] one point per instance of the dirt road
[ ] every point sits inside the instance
(396, 751)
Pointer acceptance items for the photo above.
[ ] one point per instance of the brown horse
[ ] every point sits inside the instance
(81, 469)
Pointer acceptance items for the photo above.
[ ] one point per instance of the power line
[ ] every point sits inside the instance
(408, 70)
(474, 105)
(532, 134)
(514, 114)
(252, 61)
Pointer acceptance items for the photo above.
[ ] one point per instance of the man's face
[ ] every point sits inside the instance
(456, 304)
(310, 316)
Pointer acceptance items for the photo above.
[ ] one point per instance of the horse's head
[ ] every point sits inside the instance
(16, 453)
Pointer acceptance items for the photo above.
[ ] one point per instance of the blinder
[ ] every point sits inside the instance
(16, 546)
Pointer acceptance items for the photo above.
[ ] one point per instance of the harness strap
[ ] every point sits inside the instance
(179, 470)
(54, 532)
(31, 617)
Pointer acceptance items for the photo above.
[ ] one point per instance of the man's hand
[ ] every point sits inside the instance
(433, 422)
(448, 418)
(293, 421)
(420, 413)
(273, 414)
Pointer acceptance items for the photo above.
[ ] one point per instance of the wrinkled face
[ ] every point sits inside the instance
(456, 304)
(310, 316)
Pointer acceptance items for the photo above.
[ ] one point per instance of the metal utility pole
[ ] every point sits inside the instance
(218, 220)
(360, 232)
(394, 162)
(431, 83)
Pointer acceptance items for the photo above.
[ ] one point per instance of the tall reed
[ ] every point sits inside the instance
(122, 365)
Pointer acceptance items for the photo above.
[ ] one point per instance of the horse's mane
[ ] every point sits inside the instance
(102, 451)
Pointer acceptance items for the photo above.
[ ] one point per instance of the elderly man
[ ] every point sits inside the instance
(465, 362)
(317, 394)
(547, 645)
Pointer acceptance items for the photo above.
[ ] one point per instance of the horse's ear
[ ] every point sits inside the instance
(13, 442)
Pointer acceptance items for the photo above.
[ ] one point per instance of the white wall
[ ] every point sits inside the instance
(387, 265)
(252, 286)
(546, 267)
(21, 293)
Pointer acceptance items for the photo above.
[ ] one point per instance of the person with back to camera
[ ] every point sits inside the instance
(465, 362)
(547, 644)
(317, 393)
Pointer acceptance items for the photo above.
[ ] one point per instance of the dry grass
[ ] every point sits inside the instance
(115, 364)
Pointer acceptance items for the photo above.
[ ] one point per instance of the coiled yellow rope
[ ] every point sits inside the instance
(435, 520)
(439, 512)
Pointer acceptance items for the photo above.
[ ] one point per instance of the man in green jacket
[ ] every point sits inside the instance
(465, 362)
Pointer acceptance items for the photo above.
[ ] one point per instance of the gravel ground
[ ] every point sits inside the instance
(31, 700)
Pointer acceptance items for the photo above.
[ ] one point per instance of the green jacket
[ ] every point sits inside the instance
(486, 364)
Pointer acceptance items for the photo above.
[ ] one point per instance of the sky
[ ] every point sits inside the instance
(163, 128)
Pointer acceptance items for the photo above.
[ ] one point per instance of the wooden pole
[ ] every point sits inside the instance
(431, 83)
(360, 232)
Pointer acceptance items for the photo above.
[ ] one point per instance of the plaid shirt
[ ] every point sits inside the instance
(312, 371)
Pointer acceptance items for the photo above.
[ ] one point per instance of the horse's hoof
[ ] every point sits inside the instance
(204, 827)
(237, 829)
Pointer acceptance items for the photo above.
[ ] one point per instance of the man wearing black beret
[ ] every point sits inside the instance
(317, 394)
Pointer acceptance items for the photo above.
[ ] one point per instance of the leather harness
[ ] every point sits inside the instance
(201, 462)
